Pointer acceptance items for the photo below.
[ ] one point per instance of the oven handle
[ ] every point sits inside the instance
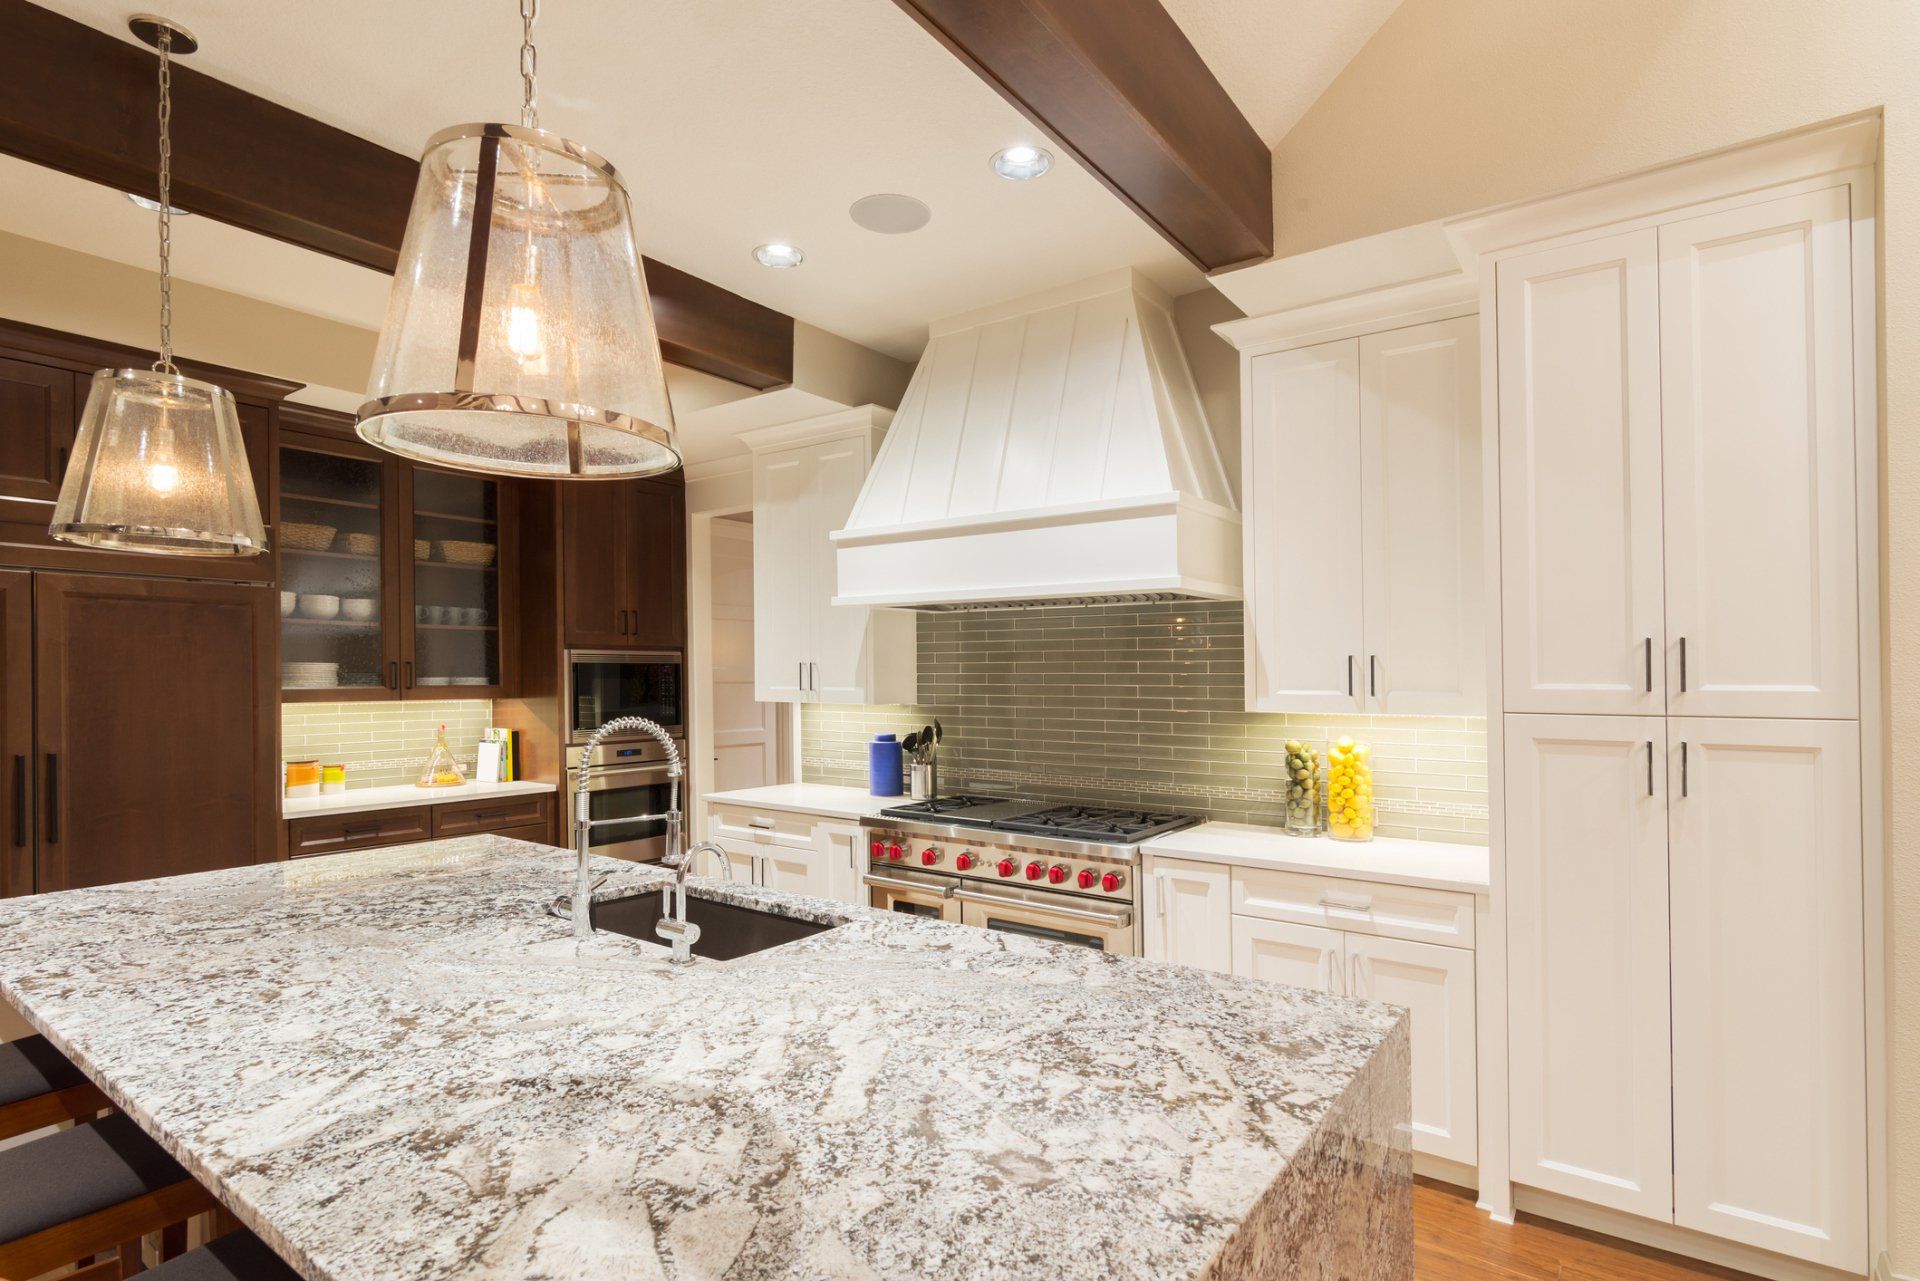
(1118, 919)
(917, 887)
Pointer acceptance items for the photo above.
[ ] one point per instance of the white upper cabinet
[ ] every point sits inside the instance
(806, 648)
(1579, 402)
(1769, 1034)
(1588, 1011)
(1756, 346)
(1302, 522)
(1363, 549)
(1420, 500)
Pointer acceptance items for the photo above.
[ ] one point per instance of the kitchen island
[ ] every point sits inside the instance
(395, 1063)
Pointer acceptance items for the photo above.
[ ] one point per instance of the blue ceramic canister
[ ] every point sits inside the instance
(883, 766)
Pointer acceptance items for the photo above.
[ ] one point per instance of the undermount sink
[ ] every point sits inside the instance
(726, 931)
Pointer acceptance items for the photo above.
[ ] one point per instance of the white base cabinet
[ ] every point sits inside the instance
(1351, 938)
(799, 853)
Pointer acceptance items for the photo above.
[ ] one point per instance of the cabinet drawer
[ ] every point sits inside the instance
(1359, 907)
(538, 833)
(492, 816)
(763, 827)
(330, 834)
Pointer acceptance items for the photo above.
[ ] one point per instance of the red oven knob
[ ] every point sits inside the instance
(1035, 871)
(963, 861)
(895, 853)
(929, 856)
(1056, 874)
(1110, 882)
(1004, 867)
(1087, 878)
(879, 849)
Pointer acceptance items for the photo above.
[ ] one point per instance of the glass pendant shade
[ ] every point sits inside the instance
(159, 466)
(519, 339)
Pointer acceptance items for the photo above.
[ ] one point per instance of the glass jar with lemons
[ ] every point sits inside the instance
(1350, 791)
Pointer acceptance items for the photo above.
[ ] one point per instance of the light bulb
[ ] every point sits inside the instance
(163, 478)
(523, 326)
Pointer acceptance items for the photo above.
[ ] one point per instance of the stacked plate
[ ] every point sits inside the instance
(309, 675)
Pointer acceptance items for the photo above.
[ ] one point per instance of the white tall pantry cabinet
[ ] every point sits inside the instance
(1680, 464)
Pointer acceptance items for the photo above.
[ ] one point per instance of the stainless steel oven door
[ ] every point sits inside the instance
(914, 896)
(1106, 927)
(622, 792)
(605, 684)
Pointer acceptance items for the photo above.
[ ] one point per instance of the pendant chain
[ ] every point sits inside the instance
(529, 64)
(165, 363)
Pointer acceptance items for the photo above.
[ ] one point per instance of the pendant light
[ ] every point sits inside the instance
(159, 465)
(519, 339)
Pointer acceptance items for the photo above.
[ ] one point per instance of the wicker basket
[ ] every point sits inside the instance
(362, 544)
(309, 538)
(457, 552)
(422, 549)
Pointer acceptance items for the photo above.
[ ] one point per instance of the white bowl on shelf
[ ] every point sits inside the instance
(359, 609)
(316, 605)
(287, 600)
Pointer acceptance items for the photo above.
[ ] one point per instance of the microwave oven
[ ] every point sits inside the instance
(604, 685)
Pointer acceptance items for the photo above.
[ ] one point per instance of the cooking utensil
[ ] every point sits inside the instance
(908, 743)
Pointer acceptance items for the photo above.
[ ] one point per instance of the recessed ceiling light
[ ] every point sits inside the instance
(890, 214)
(1022, 162)
(779, 255)
(153, 206)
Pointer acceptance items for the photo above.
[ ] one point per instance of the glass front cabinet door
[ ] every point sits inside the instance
(457, 601)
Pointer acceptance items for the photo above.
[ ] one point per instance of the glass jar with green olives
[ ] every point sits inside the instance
(1306, 790)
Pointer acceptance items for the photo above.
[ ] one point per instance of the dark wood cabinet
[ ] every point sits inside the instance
(16, 733)
(155, 728)
(333, 833)
(39, 408)
(624, 564)
(401, 585)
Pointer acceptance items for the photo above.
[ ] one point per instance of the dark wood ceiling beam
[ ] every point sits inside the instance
(83, 102)
(1119, 85)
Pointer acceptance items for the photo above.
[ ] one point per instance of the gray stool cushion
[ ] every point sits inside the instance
(31, 1067)
(73, 1173)
(238, 1256)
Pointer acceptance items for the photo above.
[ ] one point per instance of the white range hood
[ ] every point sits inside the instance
(1049, 450)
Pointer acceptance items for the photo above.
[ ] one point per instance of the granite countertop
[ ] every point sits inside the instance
(394, 1063)
(830, 799)
(403, 796)
(1390, 860)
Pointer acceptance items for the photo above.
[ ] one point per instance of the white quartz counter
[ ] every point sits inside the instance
(401, 797)
(1392, 860)
(395, 1063)
(849, 803)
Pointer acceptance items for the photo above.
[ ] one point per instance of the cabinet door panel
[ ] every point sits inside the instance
(783, 587)
(352, 488)
(1435, 985)
(1303, 537)
(1579, 396)
(144, 777)
(458, 621)
(1282, 952)
(16, 734)
(842, 640)
(793, 871)
(1191, 905)
(1420, 484)
(1757, 362)
(1588, 1005)
(597, 562)
(38, 413)
(657, 535)
(1769, 1031)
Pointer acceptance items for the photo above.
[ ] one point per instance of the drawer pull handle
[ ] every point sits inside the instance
(355, 833)
(20, 800)
(1351, 902)
(487, 816)
(761, 824)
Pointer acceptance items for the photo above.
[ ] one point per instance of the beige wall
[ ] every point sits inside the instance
(1459, 104)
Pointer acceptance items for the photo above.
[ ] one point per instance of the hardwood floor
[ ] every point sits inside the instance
(1455, 1242)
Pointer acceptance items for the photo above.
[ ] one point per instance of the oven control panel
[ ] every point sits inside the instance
(1031, 867)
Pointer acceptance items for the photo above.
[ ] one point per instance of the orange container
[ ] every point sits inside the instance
(303, 778)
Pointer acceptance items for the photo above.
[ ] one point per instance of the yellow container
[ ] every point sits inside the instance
(1350, 791)
(333, 778)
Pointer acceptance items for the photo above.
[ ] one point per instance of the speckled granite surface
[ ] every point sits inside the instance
(392, 1064)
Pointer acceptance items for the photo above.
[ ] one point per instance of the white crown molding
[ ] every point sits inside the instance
(845, 422)
(1406, 255)
(1393, 307)
(719, 468)
(1833, 146)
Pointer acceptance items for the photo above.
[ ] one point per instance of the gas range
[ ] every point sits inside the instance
(1063, 872)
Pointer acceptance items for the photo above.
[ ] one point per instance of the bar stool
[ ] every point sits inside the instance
(238, 1256)
(39, 1088)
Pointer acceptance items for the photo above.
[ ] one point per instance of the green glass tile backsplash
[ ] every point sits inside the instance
(1140, 705)
(382, 744)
